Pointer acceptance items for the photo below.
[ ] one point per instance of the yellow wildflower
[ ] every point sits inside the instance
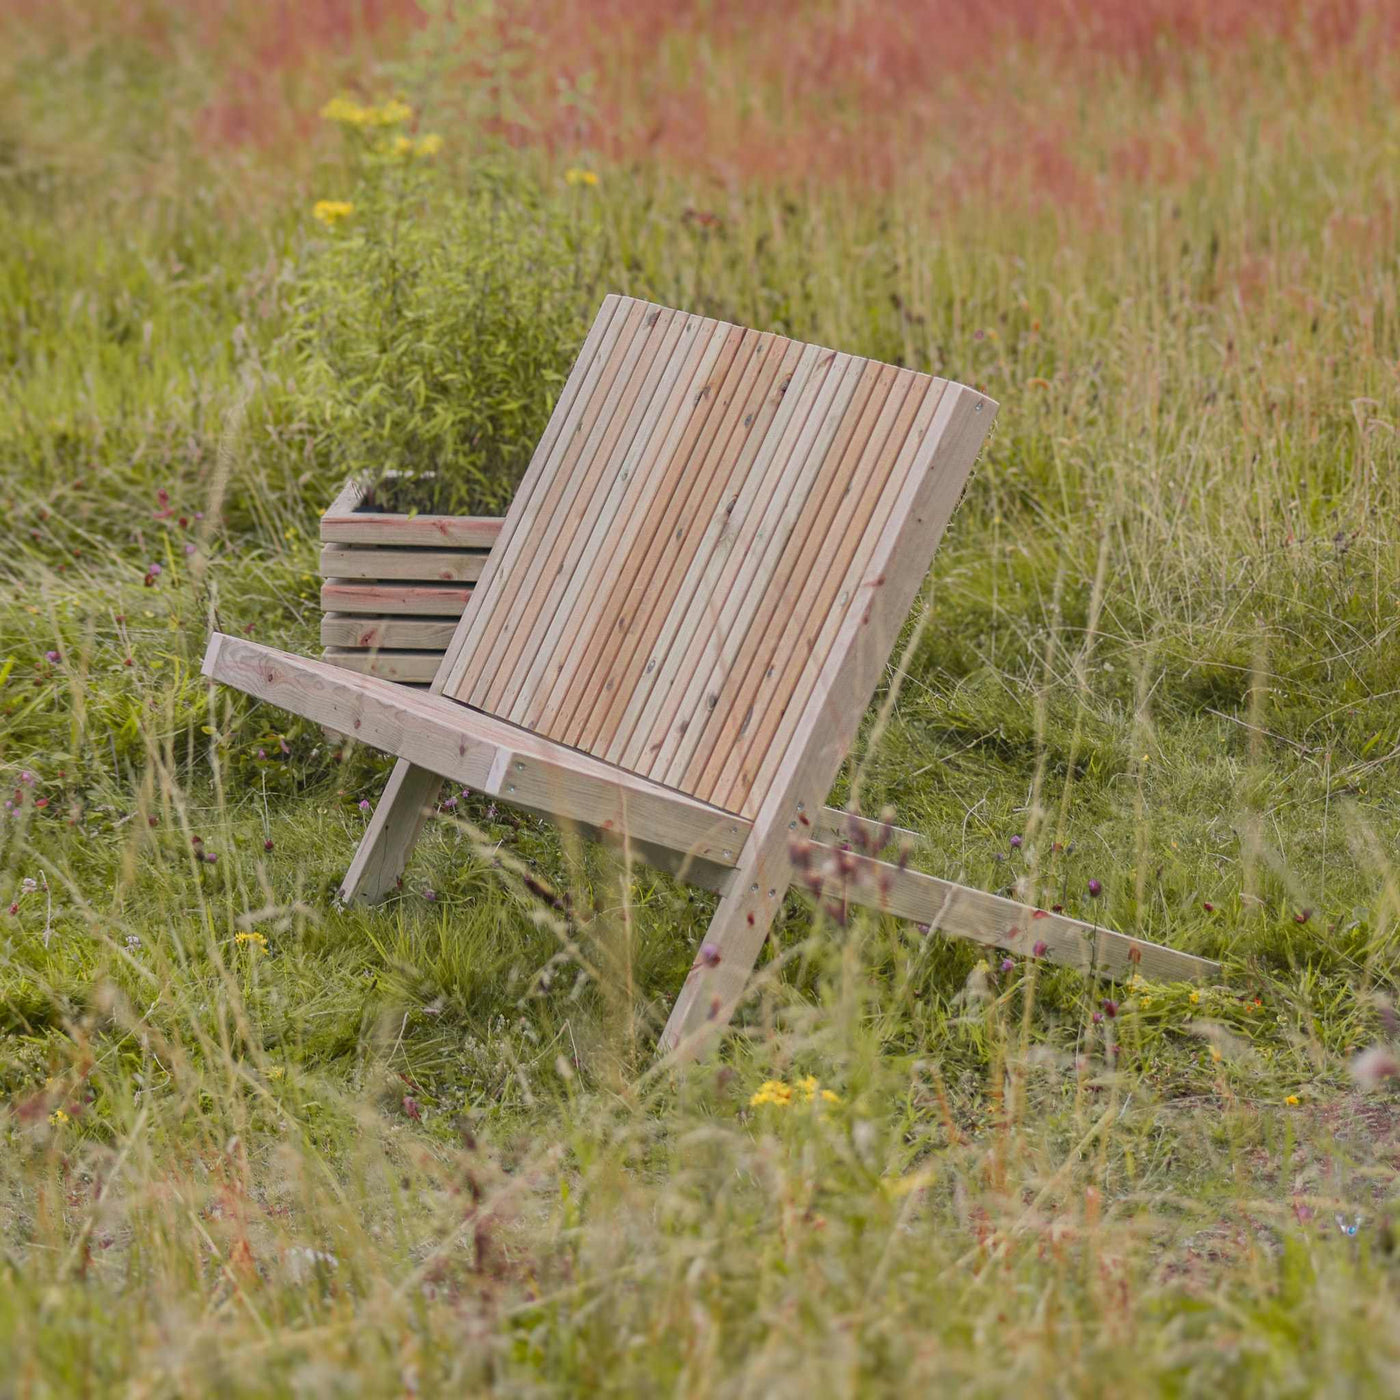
(576, 176)
(58, 1118)
(1195, 997)
(344, 111)
(428, 145)
(275, 1072)
(1215, 1054)
(350, 113)
(332, 211)
(772, 1091)
(253, 940)
(1144, 1002)
(829, 1097)
(1292, 1100)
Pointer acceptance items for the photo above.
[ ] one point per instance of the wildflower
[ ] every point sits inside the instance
(1144, 1002)
(413, 1108)
(430, 895)
(1041, 948)
(189, 549)
(1215, 1054)
(267, 845)
(52, 656)
(1097, 1018)
(364, 804)
(1110, 1007)
(58, 1118)
(428, 146)
(1015, 843)
(1095, 889)
(154, 570)
(132, 942)
(252, 939)
(1195, 997)
(29, 884)
(275, 1071)
(576, 176)
(349, 113)
(1008, 964)
(331, 211)
(27, 778)
(772, 1091)
(1208, 906)
(1302, 916)
(1292, 1100)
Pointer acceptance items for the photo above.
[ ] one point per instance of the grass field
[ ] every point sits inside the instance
(253, 1144)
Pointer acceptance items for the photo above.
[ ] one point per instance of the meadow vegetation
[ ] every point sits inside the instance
(252, 1143)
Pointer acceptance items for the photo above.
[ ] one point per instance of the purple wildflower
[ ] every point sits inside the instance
(364, 804)
(1041, 948)
(1095, 889)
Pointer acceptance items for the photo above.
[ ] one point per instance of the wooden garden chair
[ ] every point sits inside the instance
(689, 607)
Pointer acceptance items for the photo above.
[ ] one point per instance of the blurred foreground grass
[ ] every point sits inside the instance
(254, 1144)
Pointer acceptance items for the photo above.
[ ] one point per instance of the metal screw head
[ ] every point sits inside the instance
(728, 855)
(771, 893)
(519, 767)
(801, 806)
(792, 825)
(753, 888)
(511, 788)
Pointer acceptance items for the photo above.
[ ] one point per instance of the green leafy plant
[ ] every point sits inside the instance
(435, 320)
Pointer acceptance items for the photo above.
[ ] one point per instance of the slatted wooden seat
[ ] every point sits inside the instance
(681, 625)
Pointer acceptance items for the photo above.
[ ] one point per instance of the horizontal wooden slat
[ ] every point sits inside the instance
(406, 667)
(425, 565)
(421, 599)
(372, 633)
(380, 528)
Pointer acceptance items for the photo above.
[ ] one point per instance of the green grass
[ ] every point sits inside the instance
(422, 1149)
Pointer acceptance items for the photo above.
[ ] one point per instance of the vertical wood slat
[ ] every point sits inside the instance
(562, 536)
(748, 570)
(590, 522)
(643, 478)
(726, 511)
(561, 484)
(678, 534)
(855, 600)
(666, 470)
(564, 646)
(825, 558)
(787, 595)
(519, 518)
(761, 484)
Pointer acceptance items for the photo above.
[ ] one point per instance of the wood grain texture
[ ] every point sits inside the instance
(417, 565)
(410, 599)
(371, 633)
(405, 667)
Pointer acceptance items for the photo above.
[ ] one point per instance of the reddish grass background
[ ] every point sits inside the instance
(1003, 95)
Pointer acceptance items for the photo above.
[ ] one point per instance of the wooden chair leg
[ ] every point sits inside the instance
(729, 950)
(410, 794)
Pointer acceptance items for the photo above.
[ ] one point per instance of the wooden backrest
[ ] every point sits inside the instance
(693, 534)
